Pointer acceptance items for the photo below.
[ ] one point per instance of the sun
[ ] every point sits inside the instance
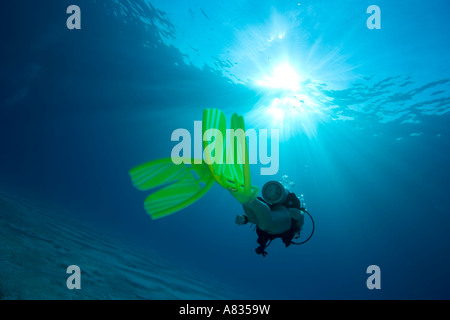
(288, 102)
(283, 77)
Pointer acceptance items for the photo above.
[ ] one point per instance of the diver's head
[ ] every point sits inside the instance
(274, 192)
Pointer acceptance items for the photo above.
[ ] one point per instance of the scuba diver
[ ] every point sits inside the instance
(182, 181)
(278, 214)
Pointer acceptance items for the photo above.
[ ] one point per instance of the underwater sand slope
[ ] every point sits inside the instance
(36, 247)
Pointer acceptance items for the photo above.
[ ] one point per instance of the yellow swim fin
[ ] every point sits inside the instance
(181, 185)
(227, 162)
(230, 163)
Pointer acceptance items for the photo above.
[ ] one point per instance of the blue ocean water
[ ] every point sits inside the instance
(363, 114)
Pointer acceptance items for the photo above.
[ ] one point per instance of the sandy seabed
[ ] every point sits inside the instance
(37, 246)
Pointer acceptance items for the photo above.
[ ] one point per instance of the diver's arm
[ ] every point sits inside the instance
(251, 217)
(298, 216)
(258, 213)
(293, 201)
